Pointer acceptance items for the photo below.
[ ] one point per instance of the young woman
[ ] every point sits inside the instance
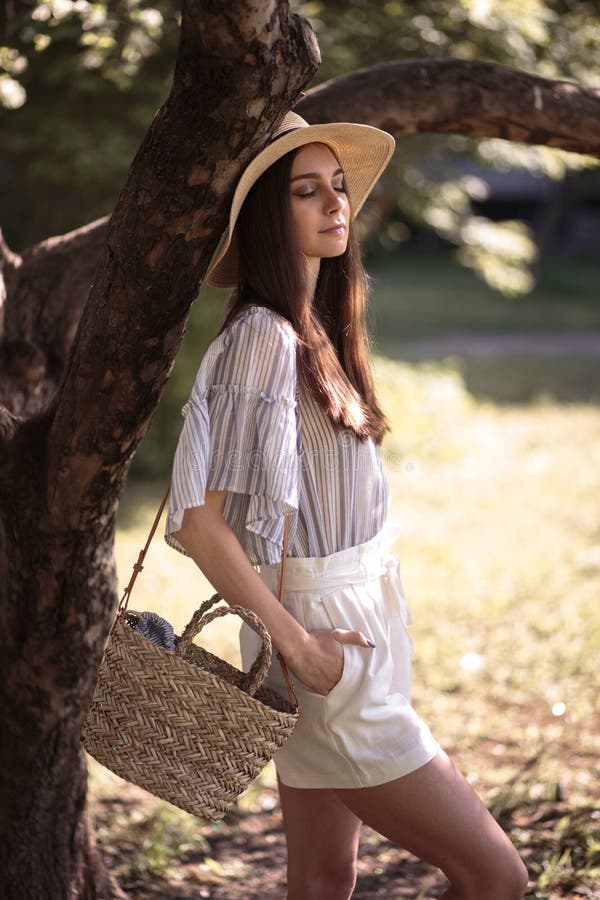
(283, 420)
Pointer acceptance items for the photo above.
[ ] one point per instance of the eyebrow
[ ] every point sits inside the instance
(316, 175)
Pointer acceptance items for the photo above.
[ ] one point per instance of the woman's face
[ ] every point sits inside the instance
(320, 207)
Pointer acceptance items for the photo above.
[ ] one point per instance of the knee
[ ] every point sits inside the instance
(506, 880)
(517, 878)
(335, 882)
(513, 878)
(325, 880)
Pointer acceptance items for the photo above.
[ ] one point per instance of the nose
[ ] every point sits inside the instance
(335, 201)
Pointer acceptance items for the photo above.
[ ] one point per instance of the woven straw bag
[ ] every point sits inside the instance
(186, 726)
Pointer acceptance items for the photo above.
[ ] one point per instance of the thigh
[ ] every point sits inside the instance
(321, 832)
(434, 813)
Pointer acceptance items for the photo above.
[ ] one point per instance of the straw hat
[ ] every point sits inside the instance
(363, 153)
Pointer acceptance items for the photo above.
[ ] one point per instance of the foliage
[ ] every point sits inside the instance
(154, 456)
(552, 38)
(93, 75)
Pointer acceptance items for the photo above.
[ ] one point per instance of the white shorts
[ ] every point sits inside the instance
(364, 732)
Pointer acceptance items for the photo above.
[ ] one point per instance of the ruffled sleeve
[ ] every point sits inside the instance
(240, 432)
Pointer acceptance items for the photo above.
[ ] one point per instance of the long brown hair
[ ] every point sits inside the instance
(333, 344)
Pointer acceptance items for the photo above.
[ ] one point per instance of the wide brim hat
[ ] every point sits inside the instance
(362, 151)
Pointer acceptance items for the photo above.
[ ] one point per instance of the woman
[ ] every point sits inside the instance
(283, 420)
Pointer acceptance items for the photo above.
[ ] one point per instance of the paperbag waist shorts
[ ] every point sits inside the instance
(365, 731)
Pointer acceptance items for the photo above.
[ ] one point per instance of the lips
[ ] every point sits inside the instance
(335, 229)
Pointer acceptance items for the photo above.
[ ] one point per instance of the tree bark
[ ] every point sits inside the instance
(459, 96)
(45, 291)
(66, 444)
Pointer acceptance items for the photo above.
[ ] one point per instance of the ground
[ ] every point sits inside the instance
(243, 857)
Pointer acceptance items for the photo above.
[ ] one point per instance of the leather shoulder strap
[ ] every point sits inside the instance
(282, 663)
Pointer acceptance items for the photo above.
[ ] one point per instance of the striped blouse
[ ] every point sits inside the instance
(252, 430)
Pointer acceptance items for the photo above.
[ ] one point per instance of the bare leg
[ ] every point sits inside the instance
(435, 814)
(322, 843)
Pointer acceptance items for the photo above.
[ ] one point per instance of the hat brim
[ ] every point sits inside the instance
(362, 151)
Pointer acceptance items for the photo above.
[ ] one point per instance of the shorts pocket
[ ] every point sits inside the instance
(309, 611)
(305, 690)
(346, 612)
(346, 671)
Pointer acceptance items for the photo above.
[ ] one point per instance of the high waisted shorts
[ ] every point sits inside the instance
(364, 732)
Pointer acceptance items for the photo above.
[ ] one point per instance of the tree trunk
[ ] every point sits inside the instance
(65, 445)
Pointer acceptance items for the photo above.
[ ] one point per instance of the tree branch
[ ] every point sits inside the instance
(480, 99)
(239, 69)
(46, 291)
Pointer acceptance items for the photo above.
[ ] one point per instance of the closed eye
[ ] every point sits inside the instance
(340, 189)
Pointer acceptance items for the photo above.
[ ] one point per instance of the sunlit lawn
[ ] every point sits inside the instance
(500, 561)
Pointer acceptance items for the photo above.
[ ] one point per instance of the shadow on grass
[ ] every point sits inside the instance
(418, 296)
(420, 301)
(517, 379)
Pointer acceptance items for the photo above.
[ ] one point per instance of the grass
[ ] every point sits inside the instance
(425, 295)
(522, 379)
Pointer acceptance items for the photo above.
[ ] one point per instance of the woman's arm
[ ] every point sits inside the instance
(315, 658)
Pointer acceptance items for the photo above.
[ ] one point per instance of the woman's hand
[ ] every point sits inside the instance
(320, 661)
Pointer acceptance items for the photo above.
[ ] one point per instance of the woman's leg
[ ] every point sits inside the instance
(322, 843)
(435, 814)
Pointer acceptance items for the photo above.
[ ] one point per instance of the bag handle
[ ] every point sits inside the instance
(139, 565)
(255, 676)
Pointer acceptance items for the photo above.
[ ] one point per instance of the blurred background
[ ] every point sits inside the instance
(486, 347)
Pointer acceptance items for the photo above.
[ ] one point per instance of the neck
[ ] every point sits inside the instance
(313, 266)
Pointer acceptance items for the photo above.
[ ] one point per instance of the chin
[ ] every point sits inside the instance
(332, 255)
(337, 250)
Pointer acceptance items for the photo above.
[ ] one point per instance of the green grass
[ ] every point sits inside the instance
(419, 295)
(519, 379)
